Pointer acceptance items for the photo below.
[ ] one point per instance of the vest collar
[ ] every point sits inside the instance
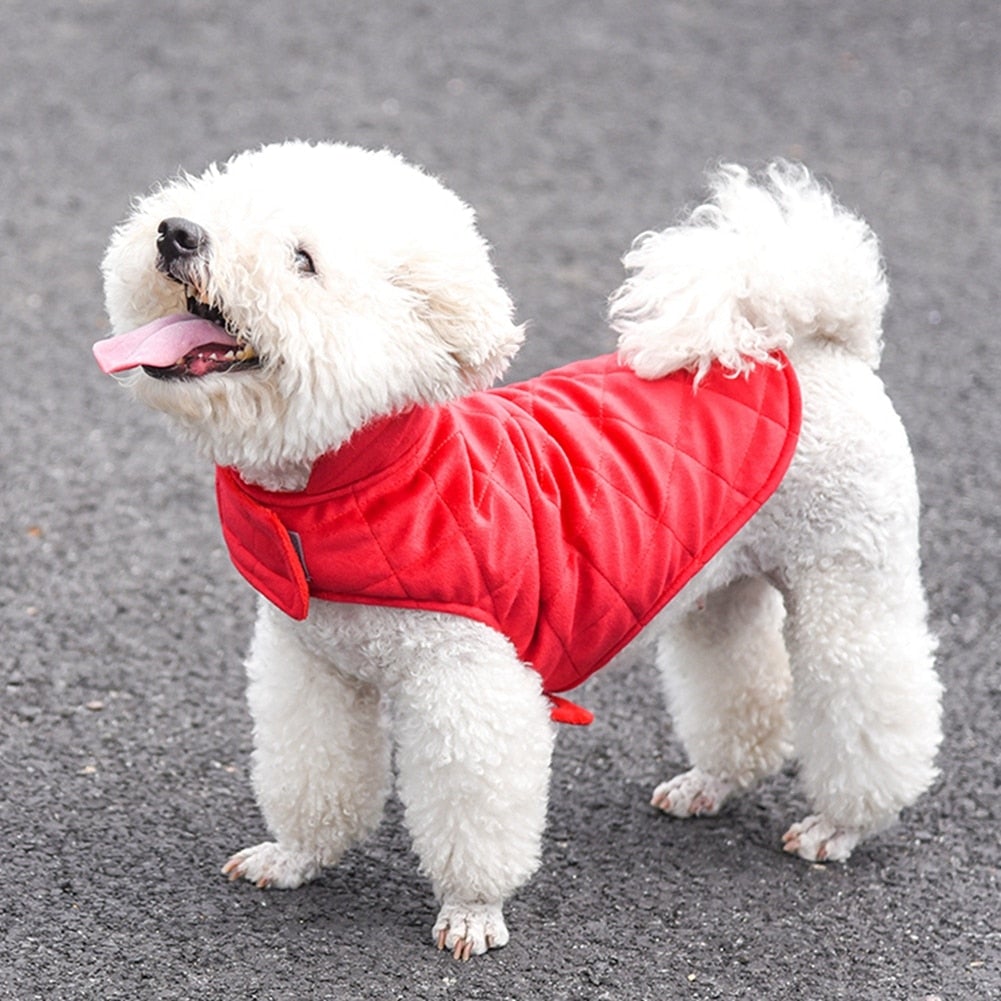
(370, 453)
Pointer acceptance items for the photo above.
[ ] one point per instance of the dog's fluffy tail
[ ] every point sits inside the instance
(761, 265)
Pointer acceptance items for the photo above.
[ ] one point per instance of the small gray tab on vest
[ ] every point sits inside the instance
(297, 546)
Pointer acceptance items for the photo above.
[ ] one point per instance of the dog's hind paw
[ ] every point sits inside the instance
(817, 840)
(692, 794)
(470, 929)
(270, 865)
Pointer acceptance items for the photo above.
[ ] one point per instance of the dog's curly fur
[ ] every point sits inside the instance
(805, 636)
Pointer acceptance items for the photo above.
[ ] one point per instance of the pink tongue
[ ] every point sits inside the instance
(159, 344)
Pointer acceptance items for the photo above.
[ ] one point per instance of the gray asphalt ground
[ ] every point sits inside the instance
(571, 127)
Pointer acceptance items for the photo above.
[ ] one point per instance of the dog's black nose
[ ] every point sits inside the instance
(180, 238)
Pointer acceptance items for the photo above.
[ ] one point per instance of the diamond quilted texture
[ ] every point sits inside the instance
(565, 511)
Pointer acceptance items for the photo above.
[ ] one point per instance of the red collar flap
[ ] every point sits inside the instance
(261, 547)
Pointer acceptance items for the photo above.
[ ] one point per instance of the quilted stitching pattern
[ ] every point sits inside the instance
(565, 511)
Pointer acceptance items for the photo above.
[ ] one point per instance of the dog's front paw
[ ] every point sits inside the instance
(270, 865)
(692, 794)
(470, 929)
(817, 840)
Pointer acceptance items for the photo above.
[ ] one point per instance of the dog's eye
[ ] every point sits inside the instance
(303, 262)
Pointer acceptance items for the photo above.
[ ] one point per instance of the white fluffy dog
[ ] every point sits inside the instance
(300, 295)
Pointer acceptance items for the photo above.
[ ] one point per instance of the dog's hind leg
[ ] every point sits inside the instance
(321, 764)
(474, 742)
(866, 699)
(726, 674)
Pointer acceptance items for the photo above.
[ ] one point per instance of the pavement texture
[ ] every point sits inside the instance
(124, 739)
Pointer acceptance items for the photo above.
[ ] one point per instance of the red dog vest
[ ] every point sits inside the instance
(565, 511)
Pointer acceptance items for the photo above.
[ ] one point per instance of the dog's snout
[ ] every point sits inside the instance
(180, 238)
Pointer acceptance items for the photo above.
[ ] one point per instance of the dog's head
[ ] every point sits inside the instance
(275, 305)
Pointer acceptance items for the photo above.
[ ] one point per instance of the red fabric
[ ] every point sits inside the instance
(565, 511)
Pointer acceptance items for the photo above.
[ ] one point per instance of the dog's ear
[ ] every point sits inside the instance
(467, 312)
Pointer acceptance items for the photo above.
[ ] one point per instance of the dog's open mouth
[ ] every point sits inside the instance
(187, 345)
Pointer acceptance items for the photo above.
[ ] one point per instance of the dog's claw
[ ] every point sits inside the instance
(232, 870)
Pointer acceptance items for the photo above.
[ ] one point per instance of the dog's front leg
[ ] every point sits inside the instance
(474, 742)
(321, 764)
